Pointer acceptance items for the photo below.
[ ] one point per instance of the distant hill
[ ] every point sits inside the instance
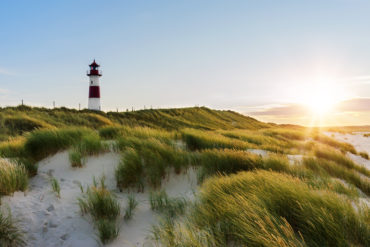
(17, 120)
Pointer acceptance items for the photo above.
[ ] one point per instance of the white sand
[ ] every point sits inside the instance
(358, 140)
(49, 221)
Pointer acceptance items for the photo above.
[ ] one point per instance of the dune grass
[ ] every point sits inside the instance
(109, 132)
(76, 158)
(341, 159)
(265, 208)
(55, 186)
(10, 235)
(42, 143)
(104, 209)
(336, 170)
(343, 146)
(364, 155)
(367, 135)
(170, 207)
(147, 161)
(131, 206)
(13, 177)
(198, 140)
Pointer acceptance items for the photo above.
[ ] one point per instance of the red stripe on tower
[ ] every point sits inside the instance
(94, 92)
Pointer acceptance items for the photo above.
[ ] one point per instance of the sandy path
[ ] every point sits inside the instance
(49, 221)
(358, 140)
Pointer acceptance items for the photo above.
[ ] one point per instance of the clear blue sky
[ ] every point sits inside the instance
(245, 55)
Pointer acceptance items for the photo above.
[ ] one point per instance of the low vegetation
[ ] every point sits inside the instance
(10, 235)
(170, 207)
(245, 199)
(266, 209)
(13, 177)
(364, 155)
(104, 209)
(131, 206)
(55, 186)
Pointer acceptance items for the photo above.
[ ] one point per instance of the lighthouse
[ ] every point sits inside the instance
(94, 89)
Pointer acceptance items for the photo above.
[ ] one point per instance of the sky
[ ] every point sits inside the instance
(304, 62)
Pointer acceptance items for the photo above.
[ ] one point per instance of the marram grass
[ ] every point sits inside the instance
(265, 208)
(13, 177)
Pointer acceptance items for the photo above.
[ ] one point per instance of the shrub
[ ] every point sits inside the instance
(10, 235)
(104, 209)
(364, 155)
(76, 158)
(13, 177)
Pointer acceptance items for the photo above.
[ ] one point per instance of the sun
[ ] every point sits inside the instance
(321, 98)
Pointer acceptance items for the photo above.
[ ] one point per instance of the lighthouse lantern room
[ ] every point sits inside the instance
(94, 89)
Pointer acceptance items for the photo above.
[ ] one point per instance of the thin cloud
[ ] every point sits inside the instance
(297, 110)
(285, 110)
(354, 105)
(4, 71)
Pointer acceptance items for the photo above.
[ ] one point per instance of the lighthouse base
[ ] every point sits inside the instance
(94, 104)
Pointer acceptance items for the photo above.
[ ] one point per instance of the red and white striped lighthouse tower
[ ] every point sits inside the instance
(94, 89)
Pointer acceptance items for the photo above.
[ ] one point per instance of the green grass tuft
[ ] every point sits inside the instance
(13, 177)
(131, 205)
(55, 186)
(10, 235)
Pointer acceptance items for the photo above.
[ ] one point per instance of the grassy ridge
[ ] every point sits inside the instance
(17, 120)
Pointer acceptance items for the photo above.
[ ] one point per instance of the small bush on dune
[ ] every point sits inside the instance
(364, 155)
(10, 235)
(76, 158)
(13, 177)
(104, 209)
